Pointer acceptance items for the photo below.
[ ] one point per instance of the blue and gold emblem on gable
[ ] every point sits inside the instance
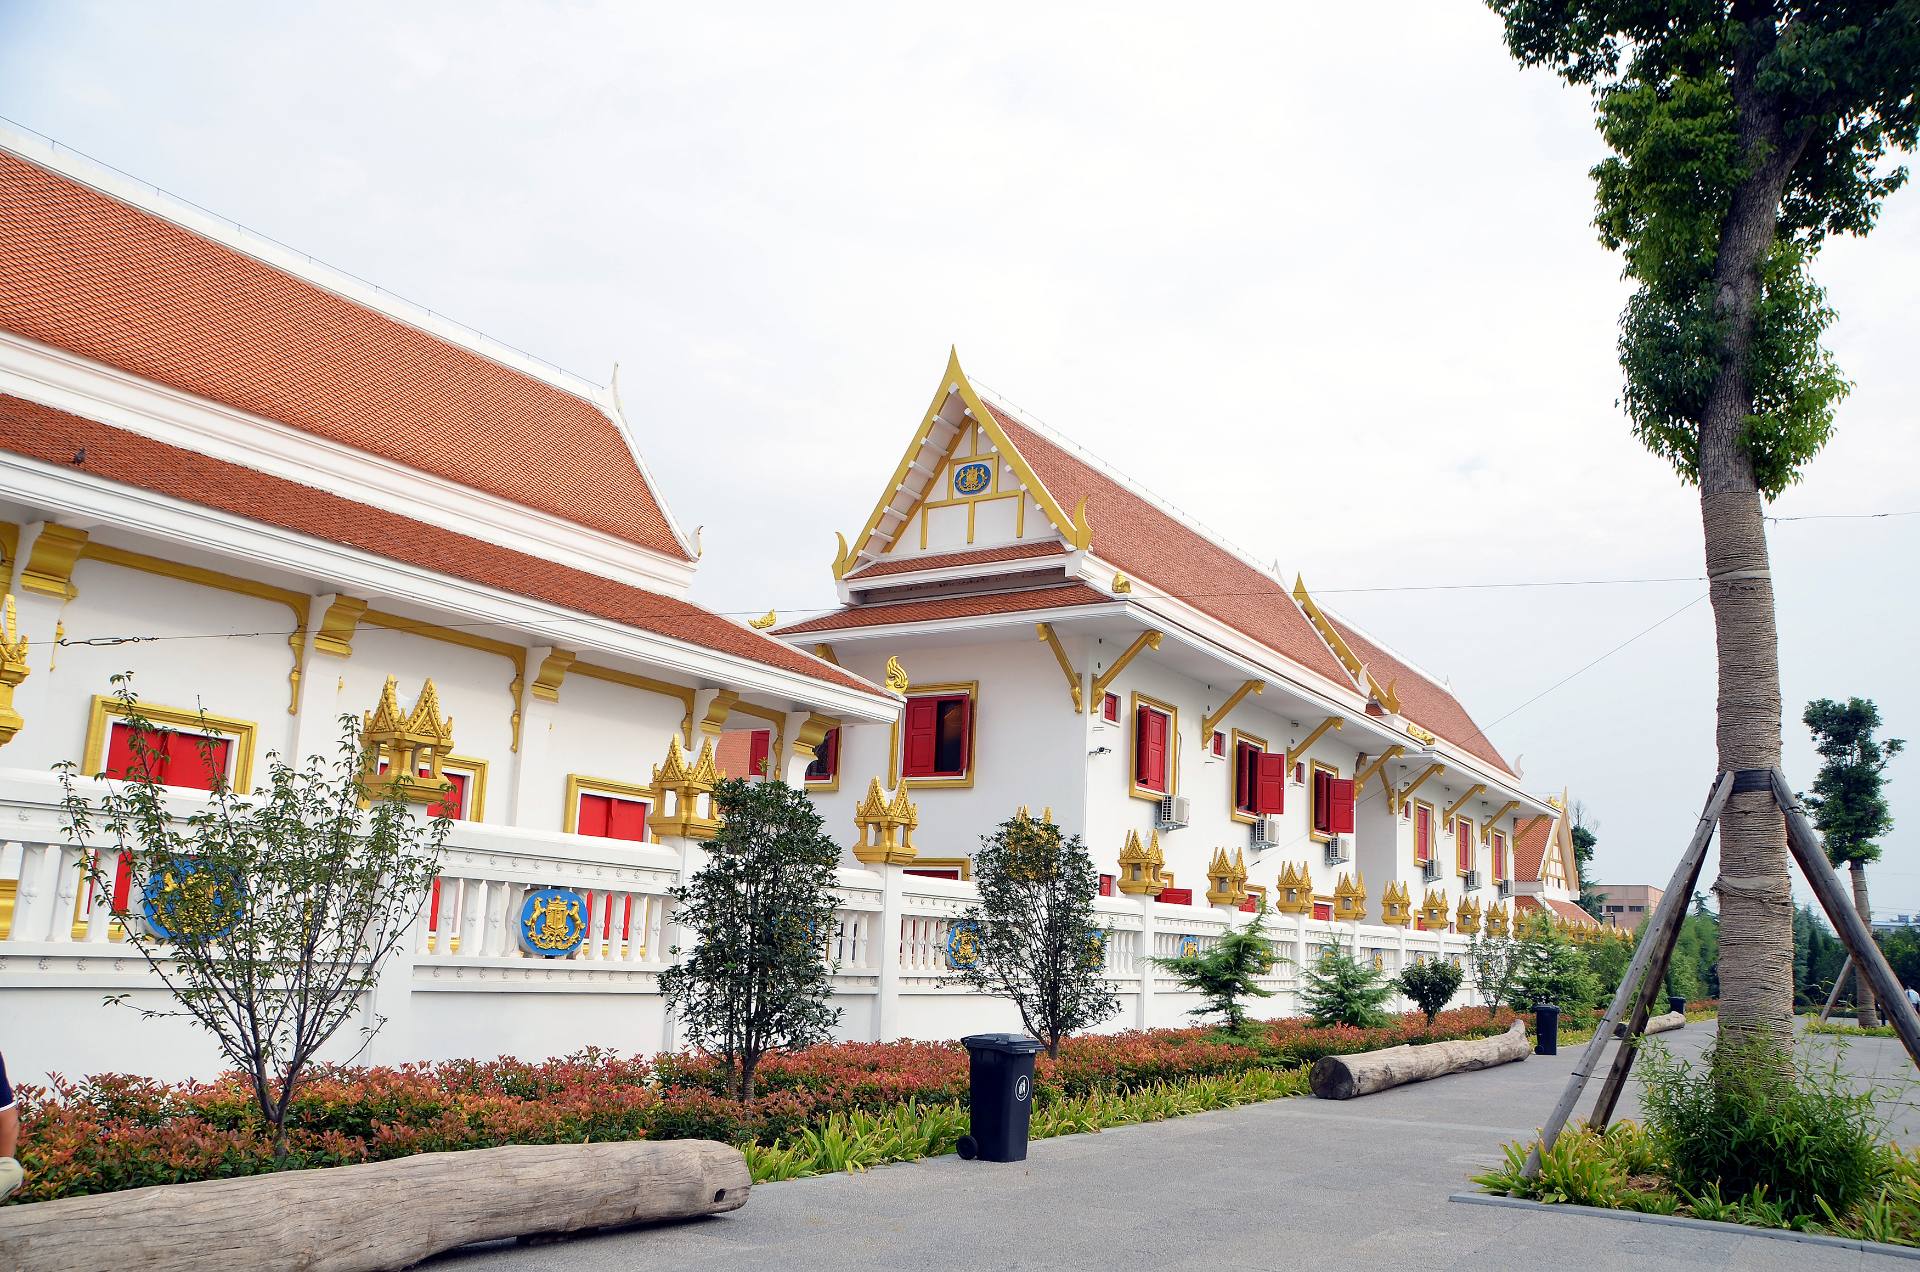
(553, 922)
(972, 478)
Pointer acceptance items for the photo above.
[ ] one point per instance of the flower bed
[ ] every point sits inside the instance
(114, 1131)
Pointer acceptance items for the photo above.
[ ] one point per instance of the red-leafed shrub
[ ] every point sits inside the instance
(115, 1131)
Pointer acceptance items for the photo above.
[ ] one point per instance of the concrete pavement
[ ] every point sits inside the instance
(1292, 1183)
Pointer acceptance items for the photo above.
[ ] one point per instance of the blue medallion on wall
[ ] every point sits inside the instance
(963, 945)
(1097, 947)
(1189, 947)
(553, 922)
(971, 479)
(191, 898)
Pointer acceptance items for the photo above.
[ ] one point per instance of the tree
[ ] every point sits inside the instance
(1694, 971)
(267, 915)
(759, 911)
(1431, 985)
(1229, 972)
(1495, 961)
(1817, 958)
(1744, 133)
(1592, 900)
(1551, 970)
(1341, 990)
(1036, 944)
(1848, 803)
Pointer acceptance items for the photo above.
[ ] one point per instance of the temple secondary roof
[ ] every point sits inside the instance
(120, 284)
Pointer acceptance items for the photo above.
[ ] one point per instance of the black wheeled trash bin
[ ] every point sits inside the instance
(1001, 1081)
(1546, 1029)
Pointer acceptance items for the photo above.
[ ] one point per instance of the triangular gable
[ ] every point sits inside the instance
(961, 484)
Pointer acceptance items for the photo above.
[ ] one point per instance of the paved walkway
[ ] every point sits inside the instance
(1292, 1183)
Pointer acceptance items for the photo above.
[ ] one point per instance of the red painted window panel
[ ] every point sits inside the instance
(1422, 833)
(1219, 743)
(627, 819)
(1176, 896)
(1462, 844)
(1110, 708)
(591, 818)
(1270, 784)
(938, 734)
(1499, 842)
(1340, 800)
(1323, 909)
(1106, 885)
(1246, 777)
(1323, 801)
(759, 751)
(826, 758)
(935, 872)
(172, 758)
(1150, 750)
(455, 805)
(1250, 906)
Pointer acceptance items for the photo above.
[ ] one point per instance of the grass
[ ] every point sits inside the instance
(1848, 1029)
(858, 1141)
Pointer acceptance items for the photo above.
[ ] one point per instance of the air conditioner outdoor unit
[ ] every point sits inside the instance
(1338, 850)
(1504, 889)
(1175, 810)
(1266, 831)
(1472, 881)
(1429, 871)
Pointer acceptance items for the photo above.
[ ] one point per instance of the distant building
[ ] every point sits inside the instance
(1893, 923)
(1626, 904)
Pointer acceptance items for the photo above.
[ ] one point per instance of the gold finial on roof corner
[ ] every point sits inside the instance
(1121, 584)
(764, 621)
(896, 675)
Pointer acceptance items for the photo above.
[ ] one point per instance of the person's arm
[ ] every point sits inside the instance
(9, 1129)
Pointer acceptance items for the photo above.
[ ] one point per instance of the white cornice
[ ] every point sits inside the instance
(56, 378)
(74, 495)
(965, 623)
(1051, 563)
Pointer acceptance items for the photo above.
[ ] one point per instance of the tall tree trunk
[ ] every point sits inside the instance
(1756, 900)
(1868, 1011)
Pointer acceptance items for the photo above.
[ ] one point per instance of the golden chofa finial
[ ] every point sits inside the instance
(13, 669)
(897, 676)
(764, 621)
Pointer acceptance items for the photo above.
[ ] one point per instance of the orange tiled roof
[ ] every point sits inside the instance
(1568, 912)
(974, 556)
(1421, 700)
(100, 278)
(1530, 847)
(1132, 533)
(969, 606)
(56, 437)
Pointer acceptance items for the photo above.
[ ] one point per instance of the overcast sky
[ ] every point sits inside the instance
(1324, 279)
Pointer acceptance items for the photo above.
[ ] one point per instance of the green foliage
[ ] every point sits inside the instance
(276, 908)
(1817, 958)
(1608, 961)
(1694, 972)
(1848, 803)
(1552, 970)
(1038, 944)
(1431, 985)
(1744, 1125)
(1229, 972)
(759, 911)
(1902, 948)
(1341, 990)
(1826, 90)
(1495, 962)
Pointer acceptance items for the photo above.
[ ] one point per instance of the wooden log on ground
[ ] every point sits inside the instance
(377, 1216)
(1343, 1077)
(1660, 1024)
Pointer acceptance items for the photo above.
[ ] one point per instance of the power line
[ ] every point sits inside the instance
(1847, 516)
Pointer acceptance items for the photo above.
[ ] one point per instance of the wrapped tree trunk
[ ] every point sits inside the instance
(376, 1216)
(1343, 1077)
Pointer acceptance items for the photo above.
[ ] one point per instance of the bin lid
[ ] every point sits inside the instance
(1009, 1043)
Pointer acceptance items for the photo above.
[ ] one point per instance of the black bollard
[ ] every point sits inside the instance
(1546, 1029)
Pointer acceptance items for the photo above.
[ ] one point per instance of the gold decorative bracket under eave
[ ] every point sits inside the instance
(1146, 640)
(1383, 694)
(1402, 796)
(713, 721)
(1492, 823)
(1066, 665)
(13, 669)
(1336, 723)
(823, 650)
(1365, 775)
(49, 566)
(338, 625)
(812, 731)
(1210, 722)
(553, 670)
(1446, 818)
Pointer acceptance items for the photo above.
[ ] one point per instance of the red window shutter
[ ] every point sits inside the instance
(1106, 885)
(1270, 783)
(1323, 909)
(935, 872)
(1249, 906)
(1219, 743)
(592, 816)
(1323, 801)
(966, 732)
(918, 737)
(1463, 844)
(1150, 746)
(826, 758)
(1340, 799)
(194, 761)
(1422, 834)
(122, 761)
(455, 805)
(1176, 896)
(1499, 857)
(759, 749)
(1110, 708)
(627, 819)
